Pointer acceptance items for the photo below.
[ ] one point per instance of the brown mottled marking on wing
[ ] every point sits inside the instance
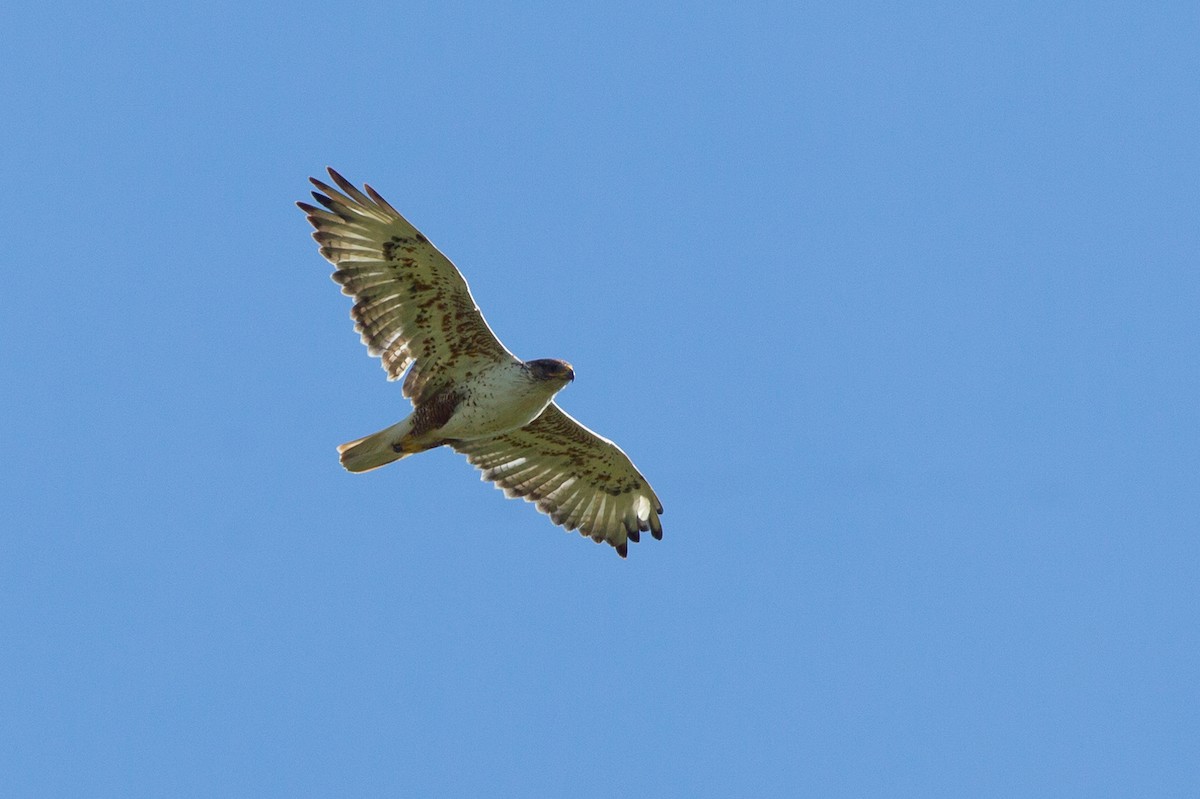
(580, 479)
(412, 306)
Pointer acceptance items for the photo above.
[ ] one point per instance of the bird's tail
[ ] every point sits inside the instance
(377, 449)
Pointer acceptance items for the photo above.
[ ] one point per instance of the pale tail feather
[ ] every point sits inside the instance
(371, 452)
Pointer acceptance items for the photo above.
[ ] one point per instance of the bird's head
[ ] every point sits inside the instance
(551, 369)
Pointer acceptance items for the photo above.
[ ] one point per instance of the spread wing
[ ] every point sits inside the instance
(412, 306)
(580, 479)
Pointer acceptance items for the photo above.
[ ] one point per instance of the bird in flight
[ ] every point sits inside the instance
(414, 311)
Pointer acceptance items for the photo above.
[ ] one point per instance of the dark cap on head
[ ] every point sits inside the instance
(551, 369)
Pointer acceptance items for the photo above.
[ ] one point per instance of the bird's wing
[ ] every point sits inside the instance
(580, 479)
(412, 306)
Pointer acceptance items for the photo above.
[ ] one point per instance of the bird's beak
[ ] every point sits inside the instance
(570, 374)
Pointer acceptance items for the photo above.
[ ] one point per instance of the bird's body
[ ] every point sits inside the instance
(501, 398)
(414, 310)
(504, 397)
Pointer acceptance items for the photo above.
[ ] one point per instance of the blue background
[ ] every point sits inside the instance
(896, 306)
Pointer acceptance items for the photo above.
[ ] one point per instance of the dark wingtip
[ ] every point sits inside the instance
(338, 179)
(623, 549)
(378, 198)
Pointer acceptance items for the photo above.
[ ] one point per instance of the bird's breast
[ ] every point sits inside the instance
(497, 401)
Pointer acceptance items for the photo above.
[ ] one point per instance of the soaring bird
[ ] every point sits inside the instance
(413, 310)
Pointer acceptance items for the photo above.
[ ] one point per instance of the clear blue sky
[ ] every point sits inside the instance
(897, 307)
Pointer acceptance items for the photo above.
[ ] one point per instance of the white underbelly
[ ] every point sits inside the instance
(498, 403)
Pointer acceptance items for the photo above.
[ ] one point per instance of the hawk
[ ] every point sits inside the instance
(414, 311)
